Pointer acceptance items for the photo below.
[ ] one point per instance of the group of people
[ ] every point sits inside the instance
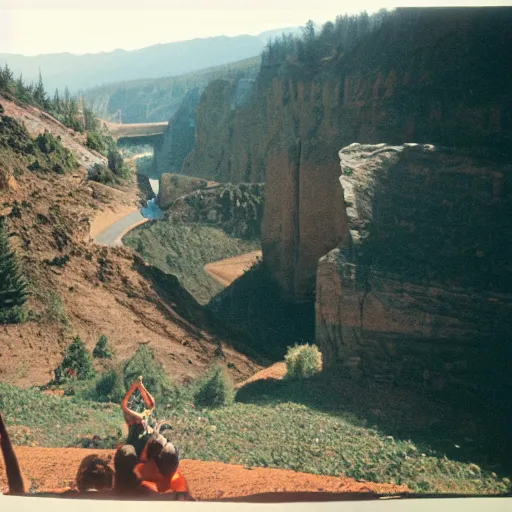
(146, 464)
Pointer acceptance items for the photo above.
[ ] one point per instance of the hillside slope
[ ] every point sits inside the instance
(158, 99)
(73, 283)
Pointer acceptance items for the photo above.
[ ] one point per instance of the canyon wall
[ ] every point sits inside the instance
(179, 137)
(427, 77)
(421, 292)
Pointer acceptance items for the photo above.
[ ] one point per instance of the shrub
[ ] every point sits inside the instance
(303, 361)
(77, 362)
(155, 380)
(109, 387)
(102, 349)
(216, 390)
(102, 174)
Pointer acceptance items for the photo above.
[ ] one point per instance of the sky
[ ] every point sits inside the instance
(92, 26)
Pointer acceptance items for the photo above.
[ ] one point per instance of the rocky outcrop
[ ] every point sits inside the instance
(221, 116)
(172, 186)
(425, 77)
(420, 291)
(179, 137)
(145, 186)
(237, 209)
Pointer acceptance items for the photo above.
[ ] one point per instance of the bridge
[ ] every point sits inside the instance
(138, 133)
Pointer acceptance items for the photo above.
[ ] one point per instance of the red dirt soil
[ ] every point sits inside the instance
(276, 372)
(227, 270)
(54, 469)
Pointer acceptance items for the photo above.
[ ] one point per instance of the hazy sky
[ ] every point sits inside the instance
(90, 26)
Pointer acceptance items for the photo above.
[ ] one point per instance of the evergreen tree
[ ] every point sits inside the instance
(102, 349)
(77, 362)
(56, 102)
(13, 287)
(39, 92)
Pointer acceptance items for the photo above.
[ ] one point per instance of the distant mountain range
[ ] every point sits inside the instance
(170, 59)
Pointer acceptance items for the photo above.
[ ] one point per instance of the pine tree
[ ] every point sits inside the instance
(39, 92)
(102, 349)
(56, 102)
(77, 362)
(13, 287)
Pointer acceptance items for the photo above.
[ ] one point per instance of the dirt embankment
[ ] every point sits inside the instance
(79, 288)
(53, 469)
(226, 271)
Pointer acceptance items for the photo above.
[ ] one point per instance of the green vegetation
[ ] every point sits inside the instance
(109, 387)
(184, 249)
(144, 363)
(312, 48)
(102, 349)
(321, 425)
(70, 111)
(55, 312)
(13, 287)
(237, 209)
(158, 99)
(77, 362)
(216, 390)
(35, 418)
(303, 361)
(173, 186)
(58, 158)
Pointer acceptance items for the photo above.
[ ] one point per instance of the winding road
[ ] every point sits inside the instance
(114, 233)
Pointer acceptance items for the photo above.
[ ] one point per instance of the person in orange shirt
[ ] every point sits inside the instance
(159, 473)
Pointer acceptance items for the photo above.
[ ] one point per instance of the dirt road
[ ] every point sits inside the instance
(51, 469)
(226, 271)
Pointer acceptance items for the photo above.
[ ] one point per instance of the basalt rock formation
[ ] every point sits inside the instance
(424, 75)
(420, 292)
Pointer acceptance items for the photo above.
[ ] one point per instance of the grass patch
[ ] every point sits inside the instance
(184, 249)
(274, 432)
(55, 421)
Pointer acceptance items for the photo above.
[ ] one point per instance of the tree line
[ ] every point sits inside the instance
(313, 46)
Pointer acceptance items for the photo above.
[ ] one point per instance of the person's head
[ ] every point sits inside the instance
(155, 446)
(125, 461)
(94, 473)
(168, 460)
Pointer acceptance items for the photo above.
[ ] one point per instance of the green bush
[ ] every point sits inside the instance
(77, 362)
(102, 349)
(303, 361)
(216, 390)
(109, 387)
(96, 142)
(102, 174)
(155, 380)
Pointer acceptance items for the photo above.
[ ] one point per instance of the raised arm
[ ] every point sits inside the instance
(146, 395)
(132, 416)
(129, 415)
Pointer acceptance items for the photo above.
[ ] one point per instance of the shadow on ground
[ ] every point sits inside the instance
(463, 428)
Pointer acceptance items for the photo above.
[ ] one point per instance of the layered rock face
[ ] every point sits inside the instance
(427, 79)
(422, 289)
(179, 137)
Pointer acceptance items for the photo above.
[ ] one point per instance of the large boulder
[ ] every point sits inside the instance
(421, 291)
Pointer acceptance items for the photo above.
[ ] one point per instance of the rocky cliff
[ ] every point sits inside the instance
(178, 140)
(423, 75)
(420, 291)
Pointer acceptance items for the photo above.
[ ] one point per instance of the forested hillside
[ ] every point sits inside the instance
(150, 100)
